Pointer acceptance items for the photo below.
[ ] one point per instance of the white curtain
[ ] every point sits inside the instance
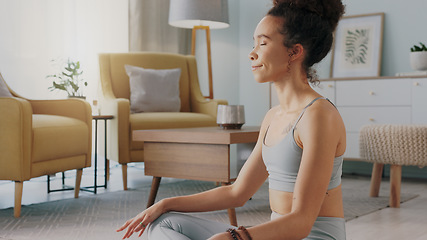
(149, 29)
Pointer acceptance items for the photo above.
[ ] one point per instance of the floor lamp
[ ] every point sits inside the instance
(200, 15)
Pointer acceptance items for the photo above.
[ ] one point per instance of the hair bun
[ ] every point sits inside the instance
(330, 10)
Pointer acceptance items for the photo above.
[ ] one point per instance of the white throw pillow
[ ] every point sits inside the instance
(4, 91)
(153, 90)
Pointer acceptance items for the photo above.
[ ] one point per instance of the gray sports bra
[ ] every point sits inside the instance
(284, 158)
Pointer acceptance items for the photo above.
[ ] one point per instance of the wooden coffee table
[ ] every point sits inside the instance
(191, 153)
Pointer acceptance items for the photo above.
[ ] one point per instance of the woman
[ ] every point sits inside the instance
(299, 149)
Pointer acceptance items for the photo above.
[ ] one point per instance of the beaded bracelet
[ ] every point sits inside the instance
(246, 232)
(235, 235)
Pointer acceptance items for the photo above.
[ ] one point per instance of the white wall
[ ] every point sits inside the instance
(34, 32)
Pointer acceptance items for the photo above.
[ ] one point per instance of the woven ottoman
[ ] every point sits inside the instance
(396, 145)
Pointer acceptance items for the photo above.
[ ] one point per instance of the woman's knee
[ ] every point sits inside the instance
(167, 226)
(167, 220)
(182, 226)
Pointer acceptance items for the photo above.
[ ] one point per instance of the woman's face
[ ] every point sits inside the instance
(269, 57)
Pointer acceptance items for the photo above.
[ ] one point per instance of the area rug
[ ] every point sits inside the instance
(97, 216)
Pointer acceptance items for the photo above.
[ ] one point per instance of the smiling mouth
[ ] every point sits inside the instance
(256, 67)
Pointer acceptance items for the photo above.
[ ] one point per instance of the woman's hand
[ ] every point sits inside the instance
(141, 221)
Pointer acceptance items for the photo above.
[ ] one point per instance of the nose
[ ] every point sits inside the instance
(252, 55)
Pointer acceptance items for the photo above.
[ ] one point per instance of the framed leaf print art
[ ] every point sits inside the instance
(358, 46)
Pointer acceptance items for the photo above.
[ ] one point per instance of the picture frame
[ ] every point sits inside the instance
(357, 47)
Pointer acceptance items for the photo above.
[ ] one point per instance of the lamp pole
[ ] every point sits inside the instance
(208, 46)
(200, 15)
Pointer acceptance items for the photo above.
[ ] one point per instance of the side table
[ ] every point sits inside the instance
(95, 118)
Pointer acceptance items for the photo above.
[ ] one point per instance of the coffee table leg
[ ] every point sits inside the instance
(231, 211)
(153, 192)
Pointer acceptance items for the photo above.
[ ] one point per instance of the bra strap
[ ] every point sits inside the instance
(302, 112)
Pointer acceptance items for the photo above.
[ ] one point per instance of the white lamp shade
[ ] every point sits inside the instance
(190, 13)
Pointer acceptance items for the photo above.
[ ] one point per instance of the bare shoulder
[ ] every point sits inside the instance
(322, 122)
(323, 114)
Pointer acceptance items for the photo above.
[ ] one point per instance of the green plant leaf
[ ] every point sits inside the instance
(68, 78)
(74, 86)
(416, 48)
(356, 46)
(59, 86)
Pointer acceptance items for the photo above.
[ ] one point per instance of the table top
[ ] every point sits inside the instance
(102, 117)
(202, 135)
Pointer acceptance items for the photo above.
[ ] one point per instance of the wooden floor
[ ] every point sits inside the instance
(407, 222)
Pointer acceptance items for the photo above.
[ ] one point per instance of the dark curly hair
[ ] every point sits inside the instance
(310, 23)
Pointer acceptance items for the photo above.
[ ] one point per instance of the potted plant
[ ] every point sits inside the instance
(69, 79)
(419, 57)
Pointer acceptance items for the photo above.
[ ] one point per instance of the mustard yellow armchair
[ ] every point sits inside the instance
(196, 111)
(42, 137)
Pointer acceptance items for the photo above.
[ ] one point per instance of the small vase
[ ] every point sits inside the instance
(231, 116)
(419, 61)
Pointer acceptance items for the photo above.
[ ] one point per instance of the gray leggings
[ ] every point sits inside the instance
(178, 226)
(331, 228)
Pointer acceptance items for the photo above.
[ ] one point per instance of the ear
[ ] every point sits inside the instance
(296, 52)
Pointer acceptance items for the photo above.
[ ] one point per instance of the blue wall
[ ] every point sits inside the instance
(404, 25)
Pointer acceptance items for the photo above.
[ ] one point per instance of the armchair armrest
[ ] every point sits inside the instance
(15, 139)
(118, 132)
(73, 107)
(206, 106)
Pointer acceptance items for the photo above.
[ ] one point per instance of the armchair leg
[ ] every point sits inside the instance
(18, 198)
(125, 176)
(78, 181)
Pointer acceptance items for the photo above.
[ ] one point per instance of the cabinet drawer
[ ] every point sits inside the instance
(373, 92)
(419, 101)
(356, 117)
(326, 89)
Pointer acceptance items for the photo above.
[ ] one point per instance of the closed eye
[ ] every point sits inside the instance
(261, 44)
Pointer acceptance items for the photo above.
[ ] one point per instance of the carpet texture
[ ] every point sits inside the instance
(97, 216)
